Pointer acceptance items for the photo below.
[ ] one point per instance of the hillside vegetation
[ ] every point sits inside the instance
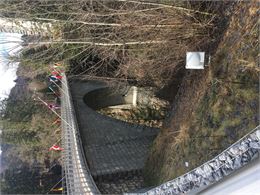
(144, 42)
(27, 165)
(141, 43)
(214, 107)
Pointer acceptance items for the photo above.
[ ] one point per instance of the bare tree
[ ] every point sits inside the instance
(135, 36)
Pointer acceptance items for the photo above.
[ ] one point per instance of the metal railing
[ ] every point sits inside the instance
(78, 179)
(234, 157)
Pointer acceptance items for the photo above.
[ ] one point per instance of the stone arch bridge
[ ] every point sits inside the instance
(115, 151)
(98, 148)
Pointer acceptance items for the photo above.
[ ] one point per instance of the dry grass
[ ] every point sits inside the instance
(216, 107)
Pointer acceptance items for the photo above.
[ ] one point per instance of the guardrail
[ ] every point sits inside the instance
(78, 179)
(231, 159)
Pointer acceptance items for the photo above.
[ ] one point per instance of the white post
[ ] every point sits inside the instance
(134, 96)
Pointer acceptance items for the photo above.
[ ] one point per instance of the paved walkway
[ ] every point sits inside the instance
(111, 146)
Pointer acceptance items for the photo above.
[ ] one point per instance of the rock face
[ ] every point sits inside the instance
(20, 90)
(37, 86)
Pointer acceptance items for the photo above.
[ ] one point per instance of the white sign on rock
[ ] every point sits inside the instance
(195, 60)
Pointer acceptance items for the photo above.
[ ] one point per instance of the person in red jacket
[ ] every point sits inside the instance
(55, 148)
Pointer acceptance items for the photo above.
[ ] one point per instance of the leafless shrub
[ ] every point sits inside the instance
(147, 40)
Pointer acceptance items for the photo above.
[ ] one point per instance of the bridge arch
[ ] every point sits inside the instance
(107, 96)
(236, 156)
(113, 148)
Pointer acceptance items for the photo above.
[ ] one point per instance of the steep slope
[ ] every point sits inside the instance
(214, 107)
